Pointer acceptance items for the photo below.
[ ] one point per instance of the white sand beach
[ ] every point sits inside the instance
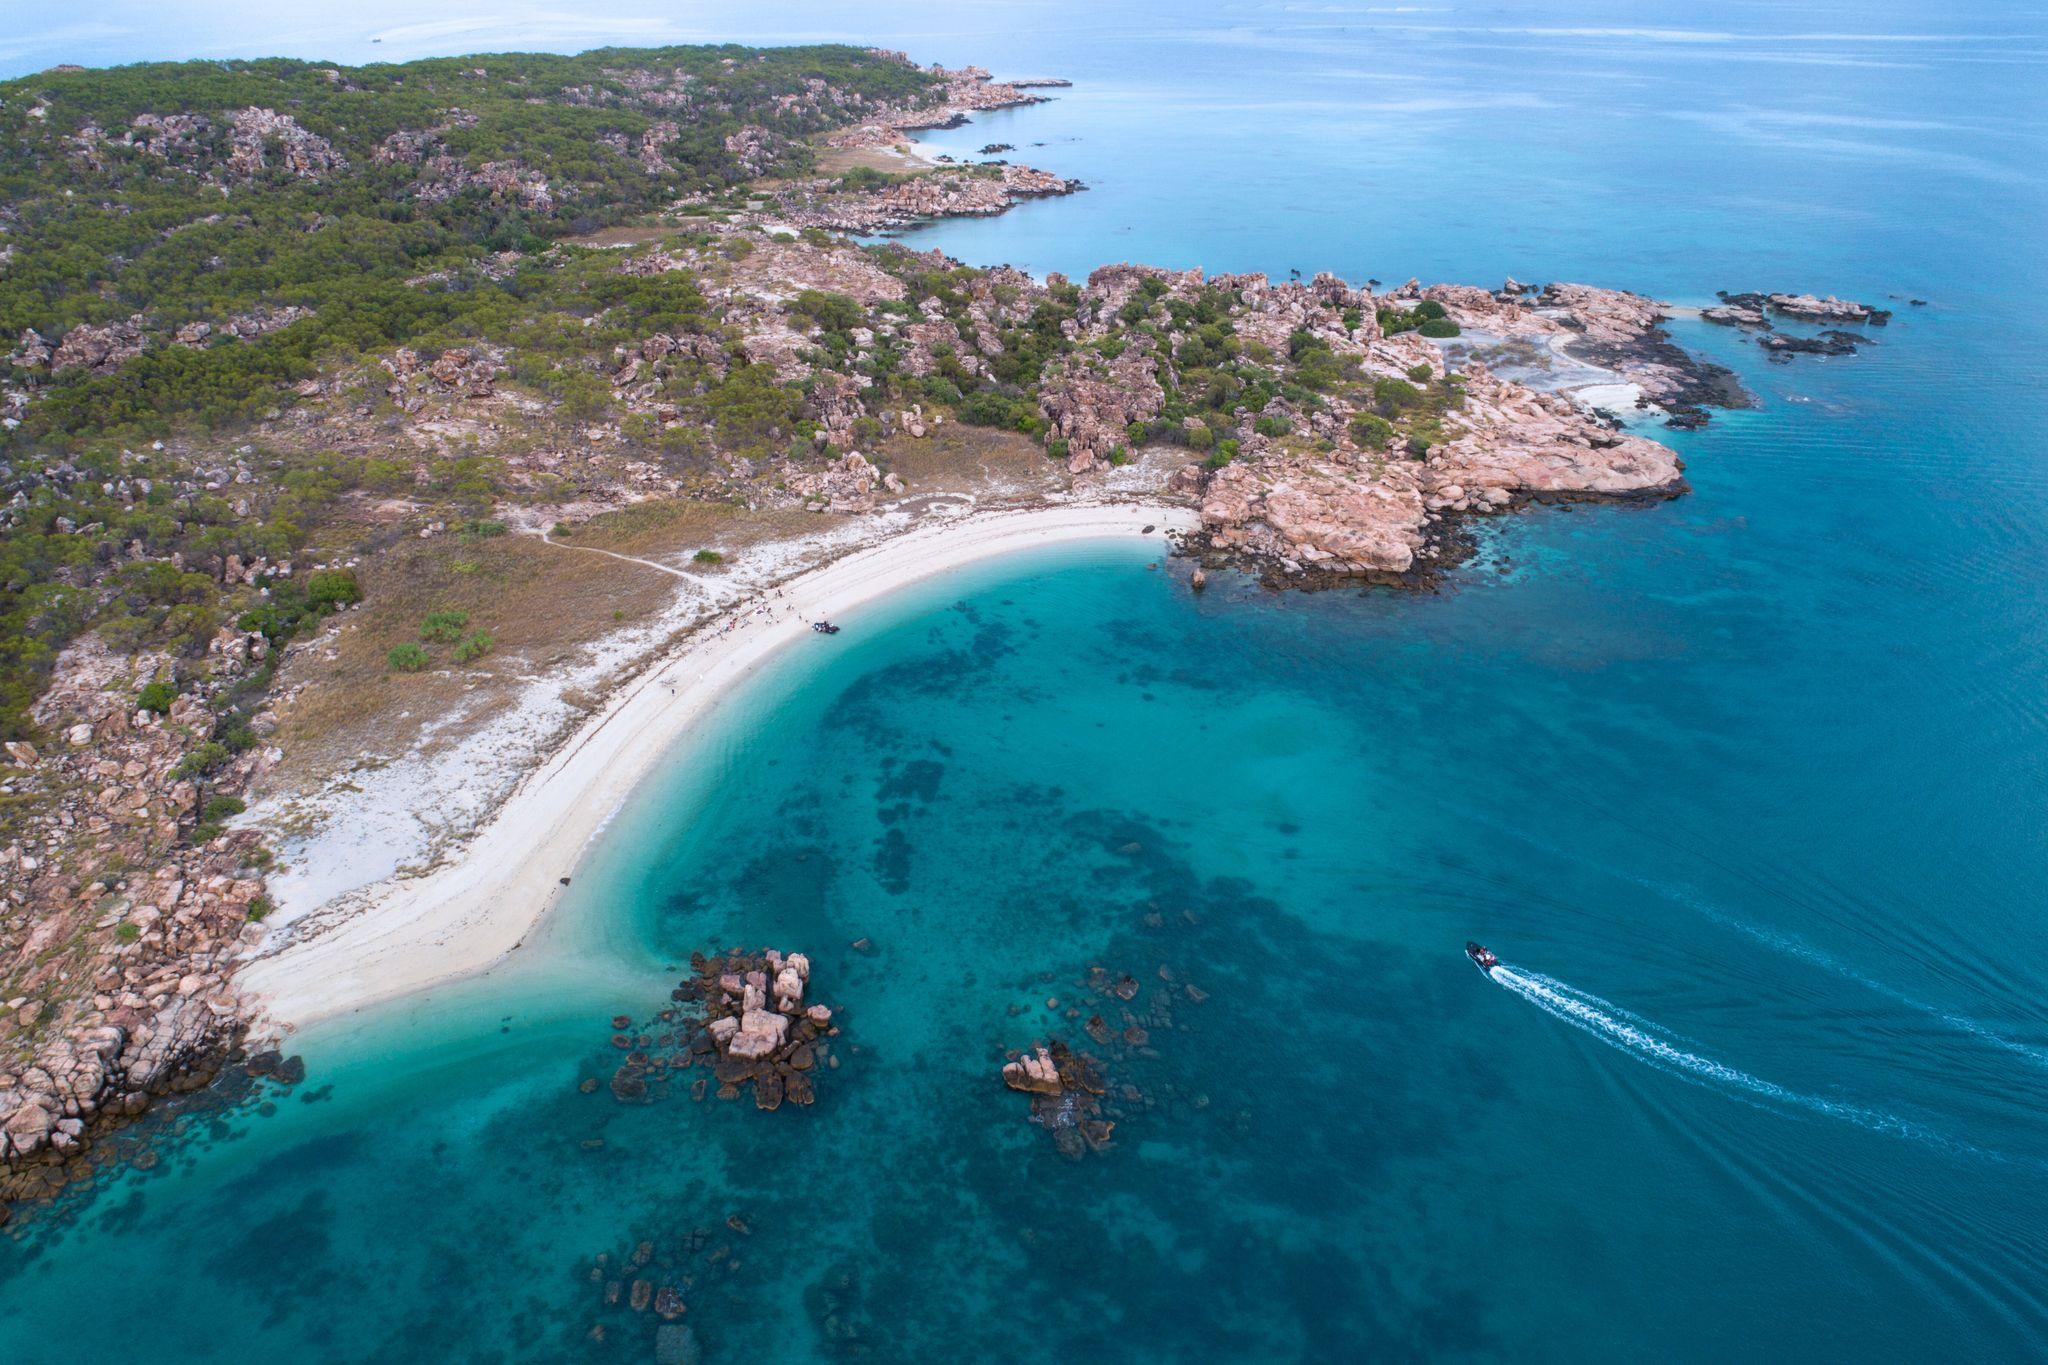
(413, 932)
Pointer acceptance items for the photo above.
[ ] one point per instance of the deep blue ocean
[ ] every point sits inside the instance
(1747, 789)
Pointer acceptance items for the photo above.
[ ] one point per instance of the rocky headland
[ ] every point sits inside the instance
(727, 359)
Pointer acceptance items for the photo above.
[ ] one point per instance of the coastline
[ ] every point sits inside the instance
(412, 933)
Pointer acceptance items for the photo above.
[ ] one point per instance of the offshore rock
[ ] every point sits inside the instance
(1066, 1089)
(756, 1030)
(1830, 309)
(1034, 1074)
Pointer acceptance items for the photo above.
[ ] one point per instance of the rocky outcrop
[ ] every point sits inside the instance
(1782, 347)
(247, 326)
(967, 193)
(745, 1018)
(964, 91)
(100, 348)
(465, 371)
(1342, 494)
(118, 988)
(849, 484)
(1735, 315)
(1754, 312)
(1090, 402)
(259, 135)
(31, 352)
(1612, 329)
(1066, 1089)
(755, 151)
(1807, 308)
(1621, 331)
(181, 139)
(1342, 513)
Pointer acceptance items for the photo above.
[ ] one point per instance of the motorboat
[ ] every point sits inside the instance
(1481, 959)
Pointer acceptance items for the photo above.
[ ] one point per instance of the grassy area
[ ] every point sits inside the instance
(957, 457)
(538, 604)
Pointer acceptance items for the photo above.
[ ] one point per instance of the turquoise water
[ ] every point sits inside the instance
(1745, 789)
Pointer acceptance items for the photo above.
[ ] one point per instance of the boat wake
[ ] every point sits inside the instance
(1794, 947)
(1646, 1043)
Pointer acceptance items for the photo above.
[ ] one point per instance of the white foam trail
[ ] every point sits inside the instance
(1622, 1031)
(1793, 946)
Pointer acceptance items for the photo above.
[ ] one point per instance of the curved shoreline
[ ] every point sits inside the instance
(412, 933)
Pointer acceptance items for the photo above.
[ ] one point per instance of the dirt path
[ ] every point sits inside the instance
(546, 539)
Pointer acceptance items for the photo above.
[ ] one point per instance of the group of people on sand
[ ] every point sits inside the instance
(768, 610)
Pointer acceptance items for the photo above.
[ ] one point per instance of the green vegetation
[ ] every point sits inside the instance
(408, 658)
(1371, 430)
(220, 808)
(259, 906)
(1226, 451)
(707, 558)
(202, 760)
(360, 206)
(445, 627)
(330, 588)
(1426, 317)
(157, 697)
(475, 647)
(127, 932)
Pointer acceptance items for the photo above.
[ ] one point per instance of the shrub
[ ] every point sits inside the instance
(1419, 372)
(220, 808)
(1371, 430)
(832, 312)
(1426, 317)
(482, 529)
(157, 697)
(127, 933)
(986, 409)
(475, 647)
(1199, 438)
(707, 557)
(408, 658)
(446, 627)
(1273, 426)
(1392, 395)
(205, 758)
(1418, 447)
(862, 178)
(327, 589)
(1226, 451)
(258, 908)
